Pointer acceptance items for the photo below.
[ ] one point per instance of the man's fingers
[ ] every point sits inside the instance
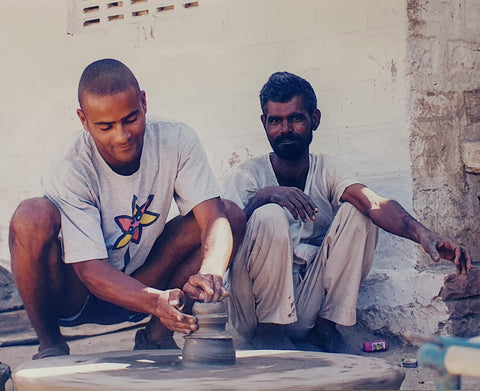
(468, 257)
(296, 207)
(465, 262)
(446, 248)
(461, 256)
(310, 208)
(225, 292)
(458, 254)
(193, 292)
(176, 314)
(296, 201)
(291, 208)
(206, 283)
(305, 207)
(174, 319)
(176, 298)
(434, 254)
(205, 287)
(186, 326)
(218, 288)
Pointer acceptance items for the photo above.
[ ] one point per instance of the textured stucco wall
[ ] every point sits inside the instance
(444, 69)
(205, 66)
(442, 64)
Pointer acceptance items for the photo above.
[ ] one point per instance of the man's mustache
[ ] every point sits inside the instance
(287, 138)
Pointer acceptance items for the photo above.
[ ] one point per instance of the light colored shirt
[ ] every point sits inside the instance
(327, 179)
(107, 215)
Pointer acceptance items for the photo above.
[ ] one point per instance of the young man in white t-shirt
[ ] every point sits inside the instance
(98, 248)
(311, 231)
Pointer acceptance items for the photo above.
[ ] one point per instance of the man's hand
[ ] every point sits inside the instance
(445, 248)
(295, 200)
(169, 307)
(205, 287)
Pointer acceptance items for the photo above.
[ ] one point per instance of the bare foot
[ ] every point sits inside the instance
(326, 336)
(61, 349)
(271, 336)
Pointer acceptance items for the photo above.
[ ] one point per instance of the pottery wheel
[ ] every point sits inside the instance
(164, 370)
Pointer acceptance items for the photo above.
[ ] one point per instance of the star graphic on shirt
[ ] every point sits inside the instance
(132, 226)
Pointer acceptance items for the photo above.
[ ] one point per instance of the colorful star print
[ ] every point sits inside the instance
(132, 226)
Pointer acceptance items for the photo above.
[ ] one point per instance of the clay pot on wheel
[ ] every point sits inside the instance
(210, 344)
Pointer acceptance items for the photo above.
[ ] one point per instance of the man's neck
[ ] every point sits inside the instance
(127, 169)
(291, 173)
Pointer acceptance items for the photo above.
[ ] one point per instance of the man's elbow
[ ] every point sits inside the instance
(88, 271)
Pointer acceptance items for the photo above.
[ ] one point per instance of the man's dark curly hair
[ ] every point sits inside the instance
(283, 86)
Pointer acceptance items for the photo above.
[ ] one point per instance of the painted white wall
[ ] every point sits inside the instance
(205, 66)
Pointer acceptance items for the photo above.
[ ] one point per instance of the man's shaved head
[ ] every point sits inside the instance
(106, 77)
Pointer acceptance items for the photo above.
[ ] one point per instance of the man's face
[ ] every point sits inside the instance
(289, 127)
(117, 126)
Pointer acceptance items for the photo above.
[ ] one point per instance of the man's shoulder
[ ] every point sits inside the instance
(164, 129)
(159, 123)
(325, 160)
(72, 160)
(332, 168)
(75, 148)
(251, 169)
(254, 162)
(69, 168)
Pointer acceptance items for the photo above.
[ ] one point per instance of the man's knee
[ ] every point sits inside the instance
(270, 223)
(270, 215)
(358, 220)
(35, 216)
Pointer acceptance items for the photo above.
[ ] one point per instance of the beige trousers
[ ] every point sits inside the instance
(267, 286)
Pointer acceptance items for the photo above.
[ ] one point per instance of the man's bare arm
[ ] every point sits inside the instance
(392, 217)
(119, 288)
(217, 244)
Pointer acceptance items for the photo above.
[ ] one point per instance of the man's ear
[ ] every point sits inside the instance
(144, 100)
(316, 117)
(83, 119)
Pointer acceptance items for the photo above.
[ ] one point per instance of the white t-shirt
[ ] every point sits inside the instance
(326, 181)
(107, 215)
